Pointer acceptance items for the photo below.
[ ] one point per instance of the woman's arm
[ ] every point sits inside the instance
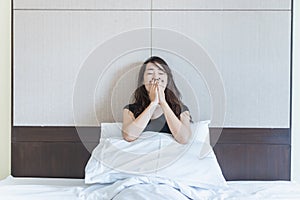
(132, 128)
(180, 128)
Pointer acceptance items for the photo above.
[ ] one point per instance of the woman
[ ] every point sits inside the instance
(157, 105)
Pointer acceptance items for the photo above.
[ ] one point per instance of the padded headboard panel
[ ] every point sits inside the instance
(243, 153)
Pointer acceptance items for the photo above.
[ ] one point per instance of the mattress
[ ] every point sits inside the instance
(40, 188)
(10, 180)
(13, 188)
(285, 190)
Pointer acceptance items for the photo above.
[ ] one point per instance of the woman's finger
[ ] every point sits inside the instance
(161, 94)
(152, 87)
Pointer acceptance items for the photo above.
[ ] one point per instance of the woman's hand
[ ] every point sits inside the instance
(153, 92)
(156, 93)
(161, 95)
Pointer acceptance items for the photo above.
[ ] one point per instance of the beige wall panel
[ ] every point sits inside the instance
(252, 53)
(222, 4)
(50, 51)
(82, 4)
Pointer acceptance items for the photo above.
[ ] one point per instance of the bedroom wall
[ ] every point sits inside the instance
(296, 96)
(5, 67)
(249, 44)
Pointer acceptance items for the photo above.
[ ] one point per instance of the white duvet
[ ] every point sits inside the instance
(154, 166)
(147, 188)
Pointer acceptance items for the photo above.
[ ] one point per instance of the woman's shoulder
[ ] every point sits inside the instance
(131, 107)
(184, 108)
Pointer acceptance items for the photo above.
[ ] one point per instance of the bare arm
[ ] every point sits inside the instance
(133, 127)
(180, 128)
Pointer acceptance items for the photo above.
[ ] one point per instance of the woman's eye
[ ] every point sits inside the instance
(149, 73)
(161, 74)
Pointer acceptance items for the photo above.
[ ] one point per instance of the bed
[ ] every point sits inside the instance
(57, 188)
(54, 162)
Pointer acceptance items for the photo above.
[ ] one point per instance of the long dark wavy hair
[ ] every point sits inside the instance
(172, 94)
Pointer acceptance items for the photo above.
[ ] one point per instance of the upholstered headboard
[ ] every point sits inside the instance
(243, 153)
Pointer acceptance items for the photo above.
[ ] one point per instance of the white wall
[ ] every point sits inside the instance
(296, 96)
(52, 49)
(5, 105)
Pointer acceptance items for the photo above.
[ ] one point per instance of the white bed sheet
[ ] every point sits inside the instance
(56, 189)
(10, 180)
(40, 188)
(283, 190)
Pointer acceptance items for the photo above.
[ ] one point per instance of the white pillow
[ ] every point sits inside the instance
(200, 132)
(199, 129)
(111, 130)
(157, 155)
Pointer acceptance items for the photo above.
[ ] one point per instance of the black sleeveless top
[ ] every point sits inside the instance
(159, 124)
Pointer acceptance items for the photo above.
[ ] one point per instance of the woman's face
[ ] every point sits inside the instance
(154, 72)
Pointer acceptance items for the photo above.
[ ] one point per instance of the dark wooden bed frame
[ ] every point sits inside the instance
(243, 153)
